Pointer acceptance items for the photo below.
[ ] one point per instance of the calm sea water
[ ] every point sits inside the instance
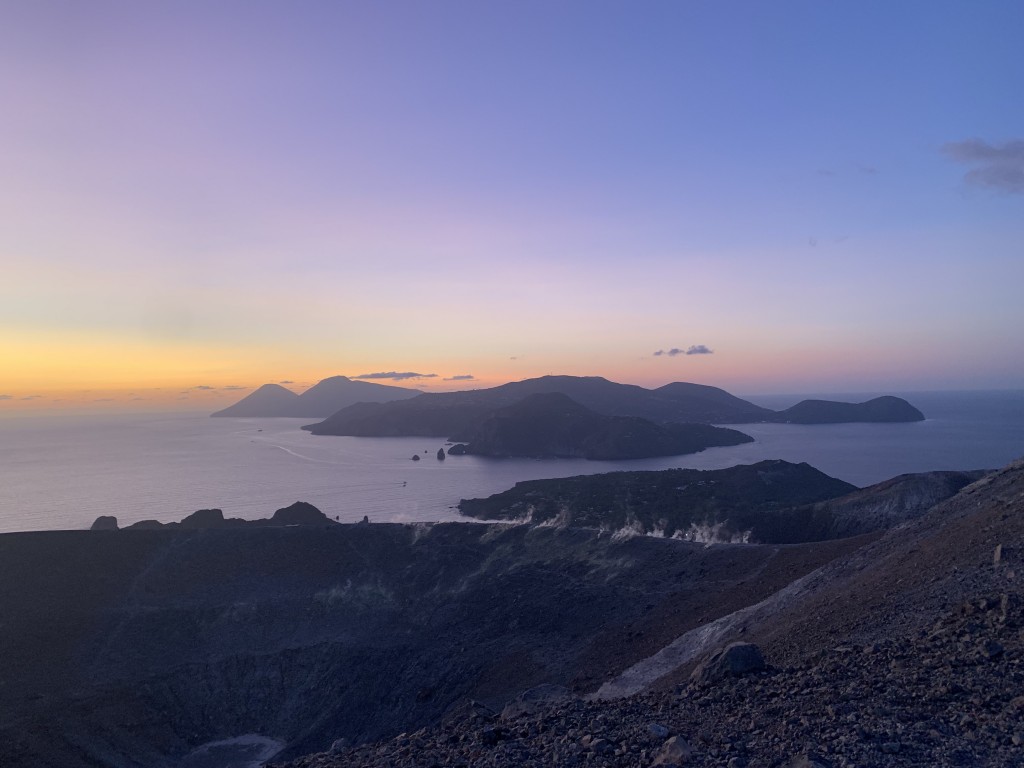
(61, 471)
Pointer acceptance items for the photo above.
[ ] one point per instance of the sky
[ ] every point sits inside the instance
(198, 198)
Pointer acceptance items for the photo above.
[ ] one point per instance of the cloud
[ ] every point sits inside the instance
(203, 387)
(103, 400)
(396, 376)
(670, 353)
(6, 397)
(870, 170)
(233, 387)
(31, 397)
(286, 381)
(999, 167)
(462, 377)
(699, 349)
(826, 172)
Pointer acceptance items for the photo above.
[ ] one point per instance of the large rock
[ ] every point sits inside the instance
(104, 523)
(675, 751)
(734, 660)
(529, 701)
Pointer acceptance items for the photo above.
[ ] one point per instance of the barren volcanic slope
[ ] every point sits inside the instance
(134, 647)
(768, 502)
(907, 652)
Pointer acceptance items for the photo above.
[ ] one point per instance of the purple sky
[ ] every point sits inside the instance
(827, 196)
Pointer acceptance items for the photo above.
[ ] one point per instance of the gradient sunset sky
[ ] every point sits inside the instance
(200, 197)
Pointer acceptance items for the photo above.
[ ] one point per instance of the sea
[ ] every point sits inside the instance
(61, 471)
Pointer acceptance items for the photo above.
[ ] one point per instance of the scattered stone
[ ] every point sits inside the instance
(658, 731)
(675, 751)
(531, 700)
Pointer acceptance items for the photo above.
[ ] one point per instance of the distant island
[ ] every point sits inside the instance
(459, 415)
(553, 425)
(319, 401)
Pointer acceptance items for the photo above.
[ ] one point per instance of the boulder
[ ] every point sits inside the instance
(459, 449)
(440, 454)
(675, 751)
(104, 523)
(734, 660)
(533, 699)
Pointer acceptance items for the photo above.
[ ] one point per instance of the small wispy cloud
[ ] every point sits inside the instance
(396, 375)
(826, 172)
(999, 166)
(203, 387)
(286, 381)
(870, 170)
(695, 349)
(31, 397)
(233, 388)
(6, 397)
(461, 377)
(103, 400)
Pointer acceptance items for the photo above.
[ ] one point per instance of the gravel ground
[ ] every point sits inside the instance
(949, 695)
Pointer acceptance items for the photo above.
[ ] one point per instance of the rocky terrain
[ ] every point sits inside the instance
(908, 651)
(359, 645)
(299, 513)
(458, 415)
(134, 647)
(552, 425)
(768, 502)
